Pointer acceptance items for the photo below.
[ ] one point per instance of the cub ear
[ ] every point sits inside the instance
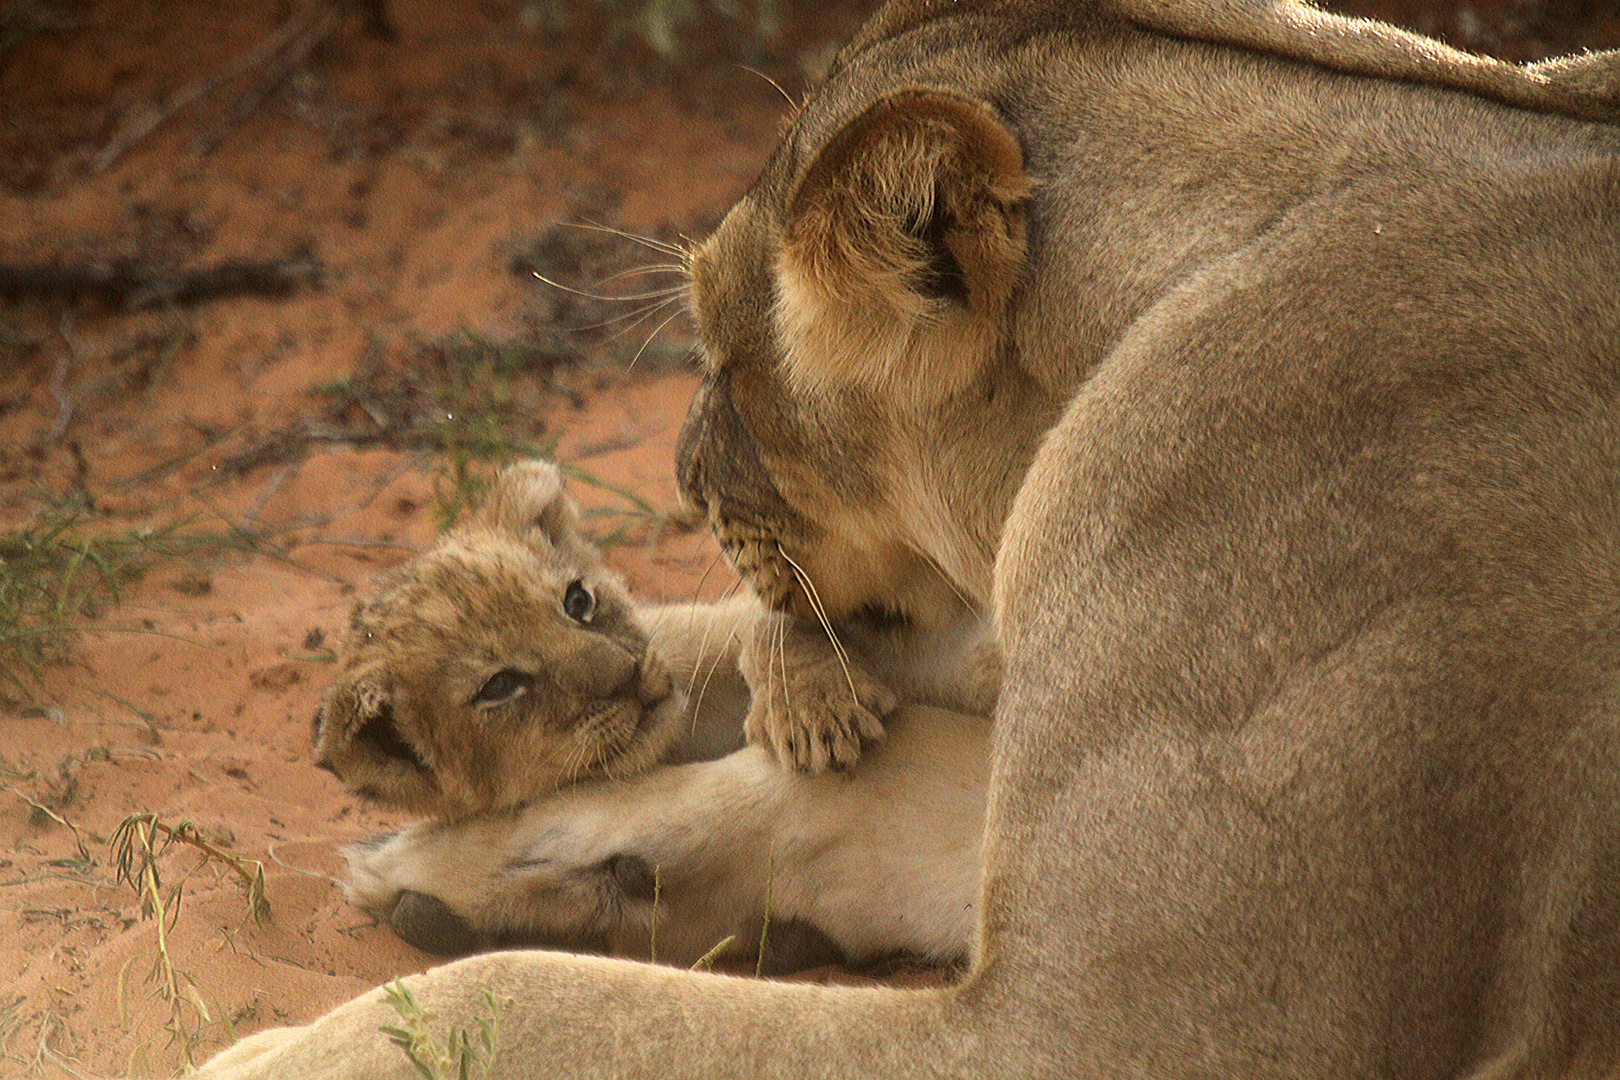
(902, 243)
(527, 502)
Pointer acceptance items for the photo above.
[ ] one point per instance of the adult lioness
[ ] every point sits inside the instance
(1260, 369)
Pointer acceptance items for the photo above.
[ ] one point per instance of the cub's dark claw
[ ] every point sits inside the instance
(429, 924)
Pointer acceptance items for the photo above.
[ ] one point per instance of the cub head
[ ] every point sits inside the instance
(863, 424)
(496, 667)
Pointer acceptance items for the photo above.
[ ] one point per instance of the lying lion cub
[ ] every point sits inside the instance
(508, 661)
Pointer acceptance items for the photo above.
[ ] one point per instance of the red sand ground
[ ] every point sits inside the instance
(408, 166)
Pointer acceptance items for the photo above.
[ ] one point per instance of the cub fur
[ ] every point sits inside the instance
(881, 862)
(508, 661)
(1258, 371)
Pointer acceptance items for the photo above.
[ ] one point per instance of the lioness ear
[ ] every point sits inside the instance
(902, 243)
(527, 501)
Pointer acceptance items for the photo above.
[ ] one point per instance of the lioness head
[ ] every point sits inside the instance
(956, 227)
(864, 420)
(494, 668)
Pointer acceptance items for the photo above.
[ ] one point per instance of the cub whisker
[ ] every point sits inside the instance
(703, 642)
(714, 665)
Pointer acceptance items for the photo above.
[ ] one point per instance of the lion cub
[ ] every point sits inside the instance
(581, 752)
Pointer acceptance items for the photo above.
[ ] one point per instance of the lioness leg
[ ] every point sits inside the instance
(616, 1018)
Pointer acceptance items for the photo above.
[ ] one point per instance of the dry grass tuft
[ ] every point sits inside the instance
(137, 844)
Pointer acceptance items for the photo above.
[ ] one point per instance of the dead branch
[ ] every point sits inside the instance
(59, 373)
(294, 443)
(319, 29)
(137, 284)
(148, 120)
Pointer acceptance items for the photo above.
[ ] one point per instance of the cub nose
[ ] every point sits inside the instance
(606, 670)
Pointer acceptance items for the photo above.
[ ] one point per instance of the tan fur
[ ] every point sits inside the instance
(1293, 484)
(881, 862)
(401, 724)
(853, 249)
(884, 861)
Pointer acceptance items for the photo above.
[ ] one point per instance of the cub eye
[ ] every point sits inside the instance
(578, 603)
(504, 685)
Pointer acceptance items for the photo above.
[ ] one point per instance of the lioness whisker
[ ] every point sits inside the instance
(946, 578)
(650, 268)
(770, 673)
(778, 86)
(655, 294)
(646, 241)
(781, 650)
(814, 597)
(772, 650)
(650, 337)
(640, 314)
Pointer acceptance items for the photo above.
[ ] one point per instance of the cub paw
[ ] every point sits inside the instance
(811, 708)
(373, 867)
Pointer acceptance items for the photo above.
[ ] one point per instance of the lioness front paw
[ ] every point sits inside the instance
(811, 709)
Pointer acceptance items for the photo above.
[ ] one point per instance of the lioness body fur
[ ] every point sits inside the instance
(1283, 445)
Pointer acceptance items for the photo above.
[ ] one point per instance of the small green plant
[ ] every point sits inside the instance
(706, 961)
(137, 844)
(463, 1055)
(55, 570)
(765, 926)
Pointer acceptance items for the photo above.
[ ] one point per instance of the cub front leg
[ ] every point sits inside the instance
(812, 703)
(582, 869)
(437, 884)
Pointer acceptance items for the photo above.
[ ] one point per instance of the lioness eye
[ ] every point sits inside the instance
(578, 603)
(504, 685)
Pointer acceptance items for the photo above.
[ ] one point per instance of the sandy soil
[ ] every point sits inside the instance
(425, 173)
(421, 161)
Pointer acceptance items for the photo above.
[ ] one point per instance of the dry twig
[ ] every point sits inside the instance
(148, 120)
(136, 847)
